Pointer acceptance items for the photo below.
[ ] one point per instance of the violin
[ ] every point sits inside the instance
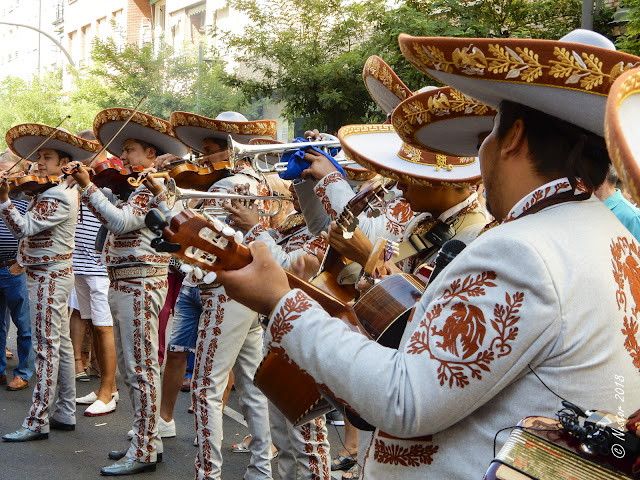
(31, 184)
(108, 174)
(188, 175)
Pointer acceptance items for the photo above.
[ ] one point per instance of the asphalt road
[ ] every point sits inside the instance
(79, 455)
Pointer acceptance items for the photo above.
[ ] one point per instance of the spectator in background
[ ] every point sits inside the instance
(627, 213)
(92, 285)
(14, 298)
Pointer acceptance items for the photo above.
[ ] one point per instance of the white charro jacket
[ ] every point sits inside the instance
(46, 231)
(553, 291)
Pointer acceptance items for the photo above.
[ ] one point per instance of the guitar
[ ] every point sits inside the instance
(212, 245)
(337, 274)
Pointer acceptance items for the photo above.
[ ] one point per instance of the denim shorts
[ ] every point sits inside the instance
(185, 320)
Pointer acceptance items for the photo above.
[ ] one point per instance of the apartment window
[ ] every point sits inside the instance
(85, 43)
(102, 29)
(119, 29)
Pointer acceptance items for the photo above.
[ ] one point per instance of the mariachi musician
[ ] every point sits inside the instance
(137, 272)
(46, 246)
(229, 335)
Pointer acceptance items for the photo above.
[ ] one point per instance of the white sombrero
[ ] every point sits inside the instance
(142, 126)
(568, 79)
(380, 149)
(193, 129)
(622, 129)
(23, 139)
(443, 120)
(384, 86)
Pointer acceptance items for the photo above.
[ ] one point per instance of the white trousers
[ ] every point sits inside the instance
(229, 336)
(304, 450)
(49, 287)
(135, 304)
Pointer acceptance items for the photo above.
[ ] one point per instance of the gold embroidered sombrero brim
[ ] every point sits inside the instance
(193, 129)
(382, 83)
(379, 149)
(23, 139)
(563, 78)
(622, 128)
(142, 126)
(443, 120)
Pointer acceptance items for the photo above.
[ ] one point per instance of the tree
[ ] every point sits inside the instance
(629, 41)
(41, 101)
(550, 19)
(307, 54)
(121, 77)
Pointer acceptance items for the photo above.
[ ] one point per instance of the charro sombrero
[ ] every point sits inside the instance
(622, 129)
(443, 120)
(142, 126)
(382, 83)
(193, 129)
(23, 139)
(568, 79)
(380, 149)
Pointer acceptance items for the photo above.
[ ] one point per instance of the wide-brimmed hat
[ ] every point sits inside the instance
(193, 129)
(383, 84)
(23, 139)
(622, 128)
(568, 79)
(142, 126)
(380, 149)
(443, 120)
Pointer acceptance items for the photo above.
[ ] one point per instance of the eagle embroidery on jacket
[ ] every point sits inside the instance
(463, 338)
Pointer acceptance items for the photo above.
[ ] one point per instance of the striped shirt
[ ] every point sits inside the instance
(86, 261)
(8, 244)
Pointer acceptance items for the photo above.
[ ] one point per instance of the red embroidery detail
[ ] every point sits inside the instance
(463, 331)
(7, 213)
(626, 270)
(253, 234)
(397, 214)
(413, 456)
(321, 192)
(280, 324)
(44, 208)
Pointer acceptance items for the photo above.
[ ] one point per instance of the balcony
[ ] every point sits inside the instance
(59, 9)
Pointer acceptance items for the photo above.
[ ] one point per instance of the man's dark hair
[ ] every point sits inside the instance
(62, 155)
(146, 145)
(221, 142)
(557, 147)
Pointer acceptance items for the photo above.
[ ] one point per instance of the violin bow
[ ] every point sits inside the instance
(39, 146)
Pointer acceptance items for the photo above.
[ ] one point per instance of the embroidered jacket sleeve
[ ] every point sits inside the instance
(45, 212)
(124, 216)
(473, 333)
(298, 244)
(314, 212)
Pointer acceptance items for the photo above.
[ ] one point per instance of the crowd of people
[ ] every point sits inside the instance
(493, 199)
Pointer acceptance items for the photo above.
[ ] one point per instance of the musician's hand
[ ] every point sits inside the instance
(152, 183)
(247, 285)
(387, 269)
(358, 248)
(242, 189)
(217, 160)
(4, 187)
(165, 159)
(306, 266)
(312, 135)
(320, 166)
(81, 174)
(71, 182)
(243, 214)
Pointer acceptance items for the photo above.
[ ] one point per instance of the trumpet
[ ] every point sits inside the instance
(239, 151)
(174, 193)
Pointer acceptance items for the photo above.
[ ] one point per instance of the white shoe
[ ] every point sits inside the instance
(165, 429)
(92, 397)
(98, 408)
(195, 442)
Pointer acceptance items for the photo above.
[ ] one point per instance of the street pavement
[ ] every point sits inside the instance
(79, 455)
